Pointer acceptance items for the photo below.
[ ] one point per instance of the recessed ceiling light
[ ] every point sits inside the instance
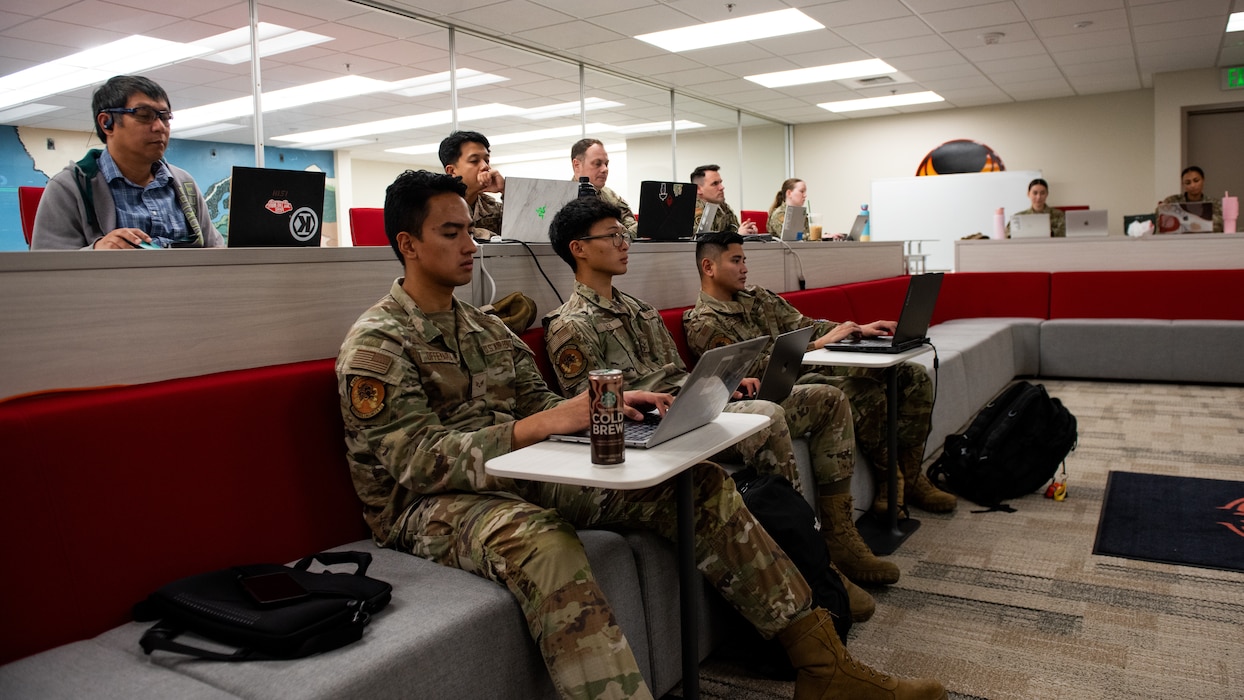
(1235, 22)
(732, 31)
(325, 90)
(407, 123)
(439, 82)
(911, 98)
(566, 109)
(8, 116)
(133, 54)
(1083, 25)
(821, 74)
(234, 47)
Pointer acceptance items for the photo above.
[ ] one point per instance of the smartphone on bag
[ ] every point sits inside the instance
(273, 589)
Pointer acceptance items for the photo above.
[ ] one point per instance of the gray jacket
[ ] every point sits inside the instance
(63, 223)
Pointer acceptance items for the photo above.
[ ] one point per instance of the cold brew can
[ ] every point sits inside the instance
(605, 394)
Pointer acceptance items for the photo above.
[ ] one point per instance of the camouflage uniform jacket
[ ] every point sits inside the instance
(726, 219)
(423, 411)
(486, 215)
(754, 312)
(777, 216)
(591, 332)
(628, 217)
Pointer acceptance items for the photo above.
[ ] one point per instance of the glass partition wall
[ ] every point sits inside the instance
(363, 94)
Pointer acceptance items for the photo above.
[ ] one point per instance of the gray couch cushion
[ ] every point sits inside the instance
(1107, 348)
(90, 669)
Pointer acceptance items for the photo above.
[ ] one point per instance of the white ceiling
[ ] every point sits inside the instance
(935, 44)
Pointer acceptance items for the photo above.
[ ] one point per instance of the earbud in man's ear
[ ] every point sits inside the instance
(107, 122)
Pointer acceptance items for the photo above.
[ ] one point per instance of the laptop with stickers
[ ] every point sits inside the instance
(666, 210)
(530, 204)
(701, 399)
(275, 208)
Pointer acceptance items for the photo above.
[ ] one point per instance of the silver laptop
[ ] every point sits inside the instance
(913, 321)
(1030, 226)
(706, 218)
(857, 228)
(785, 365)
(702, 397)
(1087, 222)
(793, 223)
(530, 205)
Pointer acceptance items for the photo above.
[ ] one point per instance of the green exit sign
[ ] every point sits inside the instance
(1233, 78)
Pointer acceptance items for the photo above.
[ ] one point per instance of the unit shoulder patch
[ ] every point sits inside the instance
(570, 362)
(366, 396)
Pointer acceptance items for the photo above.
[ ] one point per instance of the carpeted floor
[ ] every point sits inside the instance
(1015, 605)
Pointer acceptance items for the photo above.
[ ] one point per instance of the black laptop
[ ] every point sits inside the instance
(275, 208)
(666, 211)
(913, 322)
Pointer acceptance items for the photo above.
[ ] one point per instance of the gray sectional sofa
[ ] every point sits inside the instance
(97, 518)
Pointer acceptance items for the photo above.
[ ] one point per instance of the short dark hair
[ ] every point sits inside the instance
(579, 149)
(712, 245)
(1039, 181)
(406, 202)
(697, 175)
(575, 221)
(116, 92)
(1192, 169)
(451, 146)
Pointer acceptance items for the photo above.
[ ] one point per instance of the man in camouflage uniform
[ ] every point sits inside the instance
(431, 388)
(589, 159)
(710, 189)
(467, 155)
(600, 327)
(728, 311)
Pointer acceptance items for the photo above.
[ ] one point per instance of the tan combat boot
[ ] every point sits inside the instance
(860, 601)
(846, 548)
(826, 671)
(922, 493)
(881, 500)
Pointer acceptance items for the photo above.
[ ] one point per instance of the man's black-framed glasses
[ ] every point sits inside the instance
(618, 238)
(143, 114)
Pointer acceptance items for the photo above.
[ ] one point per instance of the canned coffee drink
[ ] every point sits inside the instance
(605, 394)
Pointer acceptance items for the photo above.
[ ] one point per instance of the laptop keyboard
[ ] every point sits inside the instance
(639, 431)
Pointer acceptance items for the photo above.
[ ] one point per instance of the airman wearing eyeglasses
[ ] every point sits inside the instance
(125, 195)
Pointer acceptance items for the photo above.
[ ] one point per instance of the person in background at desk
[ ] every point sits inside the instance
(730, 311)
(467, 154)
(710, 189)
(126, 195)
(794, 192)
(431, 389)
(589, 159)
(1038, 191)
(602, 327)
(1193, 179)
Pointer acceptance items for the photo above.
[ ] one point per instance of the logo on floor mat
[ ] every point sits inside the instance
(1237, 509)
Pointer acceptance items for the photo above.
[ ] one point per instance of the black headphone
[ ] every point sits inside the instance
(107, 121)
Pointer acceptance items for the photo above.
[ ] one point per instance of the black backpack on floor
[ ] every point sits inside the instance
(1012, 448)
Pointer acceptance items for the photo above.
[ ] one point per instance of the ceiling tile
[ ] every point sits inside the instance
(1089, 40)
(510, 17)
(912, 46)
(1044, 9)
(1005, 50)
(1061, 26)
(974, 17)
(847, 13)
(569, 35)
(885, 30)
(1176, 11)
(1105, 53)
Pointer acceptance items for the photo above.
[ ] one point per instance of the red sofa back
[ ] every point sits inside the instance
(108, 494)
(1163, 294)
(993, 294)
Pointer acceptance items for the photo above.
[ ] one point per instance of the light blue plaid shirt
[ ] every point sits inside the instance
(152, 209)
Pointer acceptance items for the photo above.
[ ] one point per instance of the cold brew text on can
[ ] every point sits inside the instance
(605, 395)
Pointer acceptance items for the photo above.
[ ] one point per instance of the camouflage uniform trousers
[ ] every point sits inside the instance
(866, 388)
(768, 451)
(823, 413)
(527, 542)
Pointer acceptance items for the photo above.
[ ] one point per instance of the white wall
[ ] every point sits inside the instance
(1095, 150)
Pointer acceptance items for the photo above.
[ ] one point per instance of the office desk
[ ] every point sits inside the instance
(570, 463)
(882, 538)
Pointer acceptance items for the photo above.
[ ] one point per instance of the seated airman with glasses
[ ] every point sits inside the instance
(125, 195)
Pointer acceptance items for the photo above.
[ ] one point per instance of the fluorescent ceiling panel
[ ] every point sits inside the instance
(732, 31)
(439, 82)
(821, 74)
(408, 123)
(233, 47)
(1235, 22)
(911, 98)
(323, 91)
(128, 56)
(8, 116)
(566, 109)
